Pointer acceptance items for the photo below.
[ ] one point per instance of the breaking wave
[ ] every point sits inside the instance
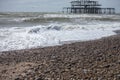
(53, 34)
(60, 28)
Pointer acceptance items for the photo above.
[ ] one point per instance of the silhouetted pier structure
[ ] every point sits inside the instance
(87, 7)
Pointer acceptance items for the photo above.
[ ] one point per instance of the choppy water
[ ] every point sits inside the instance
(31, 30)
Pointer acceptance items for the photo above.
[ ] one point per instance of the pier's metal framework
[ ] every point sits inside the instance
(87, 7)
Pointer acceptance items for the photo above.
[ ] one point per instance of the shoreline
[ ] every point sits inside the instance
(65, 43)
(62, 43)
(94, 59)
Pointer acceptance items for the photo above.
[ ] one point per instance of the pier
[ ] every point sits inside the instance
(87, 7)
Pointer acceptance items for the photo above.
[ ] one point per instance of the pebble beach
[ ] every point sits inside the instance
(88, 60)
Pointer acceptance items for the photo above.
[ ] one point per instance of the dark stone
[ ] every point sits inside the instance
(39, 78)
(118, 77)
(107, 66)
(17, 79)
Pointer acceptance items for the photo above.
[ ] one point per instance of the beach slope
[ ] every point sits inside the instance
(89, 60)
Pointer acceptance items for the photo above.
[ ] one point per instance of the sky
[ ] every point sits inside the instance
(47, 5)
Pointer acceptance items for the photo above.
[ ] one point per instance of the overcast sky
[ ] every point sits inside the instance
(46, 5)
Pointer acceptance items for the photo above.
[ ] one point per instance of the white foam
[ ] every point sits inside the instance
(79, 16)
(19, 19)
(53, 34)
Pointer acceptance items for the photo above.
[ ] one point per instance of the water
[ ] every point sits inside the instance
(32, 30)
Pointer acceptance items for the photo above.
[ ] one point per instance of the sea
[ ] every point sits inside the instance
(26, 30)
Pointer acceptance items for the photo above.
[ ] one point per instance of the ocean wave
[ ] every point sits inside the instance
(54, 27)
(70, 18)
(19, 19)
(39, 19)
(70, 27)
(81, 29)
(65, 18)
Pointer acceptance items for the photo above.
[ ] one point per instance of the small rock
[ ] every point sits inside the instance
(119, 62)
(23, 74)
(17, 78)
(107, 66)
(29, 71)
(118, 77)
(66, 70)
(39, 78)
(3, 71)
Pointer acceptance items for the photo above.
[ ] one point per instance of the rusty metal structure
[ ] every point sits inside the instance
(87, 7)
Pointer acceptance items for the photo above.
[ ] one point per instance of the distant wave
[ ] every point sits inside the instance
(57, 17)
(68, 18)
(38, 19)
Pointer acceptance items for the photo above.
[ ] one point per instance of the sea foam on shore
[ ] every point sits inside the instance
(55, 32)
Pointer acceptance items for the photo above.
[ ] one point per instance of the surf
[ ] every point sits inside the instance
(56, 30)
